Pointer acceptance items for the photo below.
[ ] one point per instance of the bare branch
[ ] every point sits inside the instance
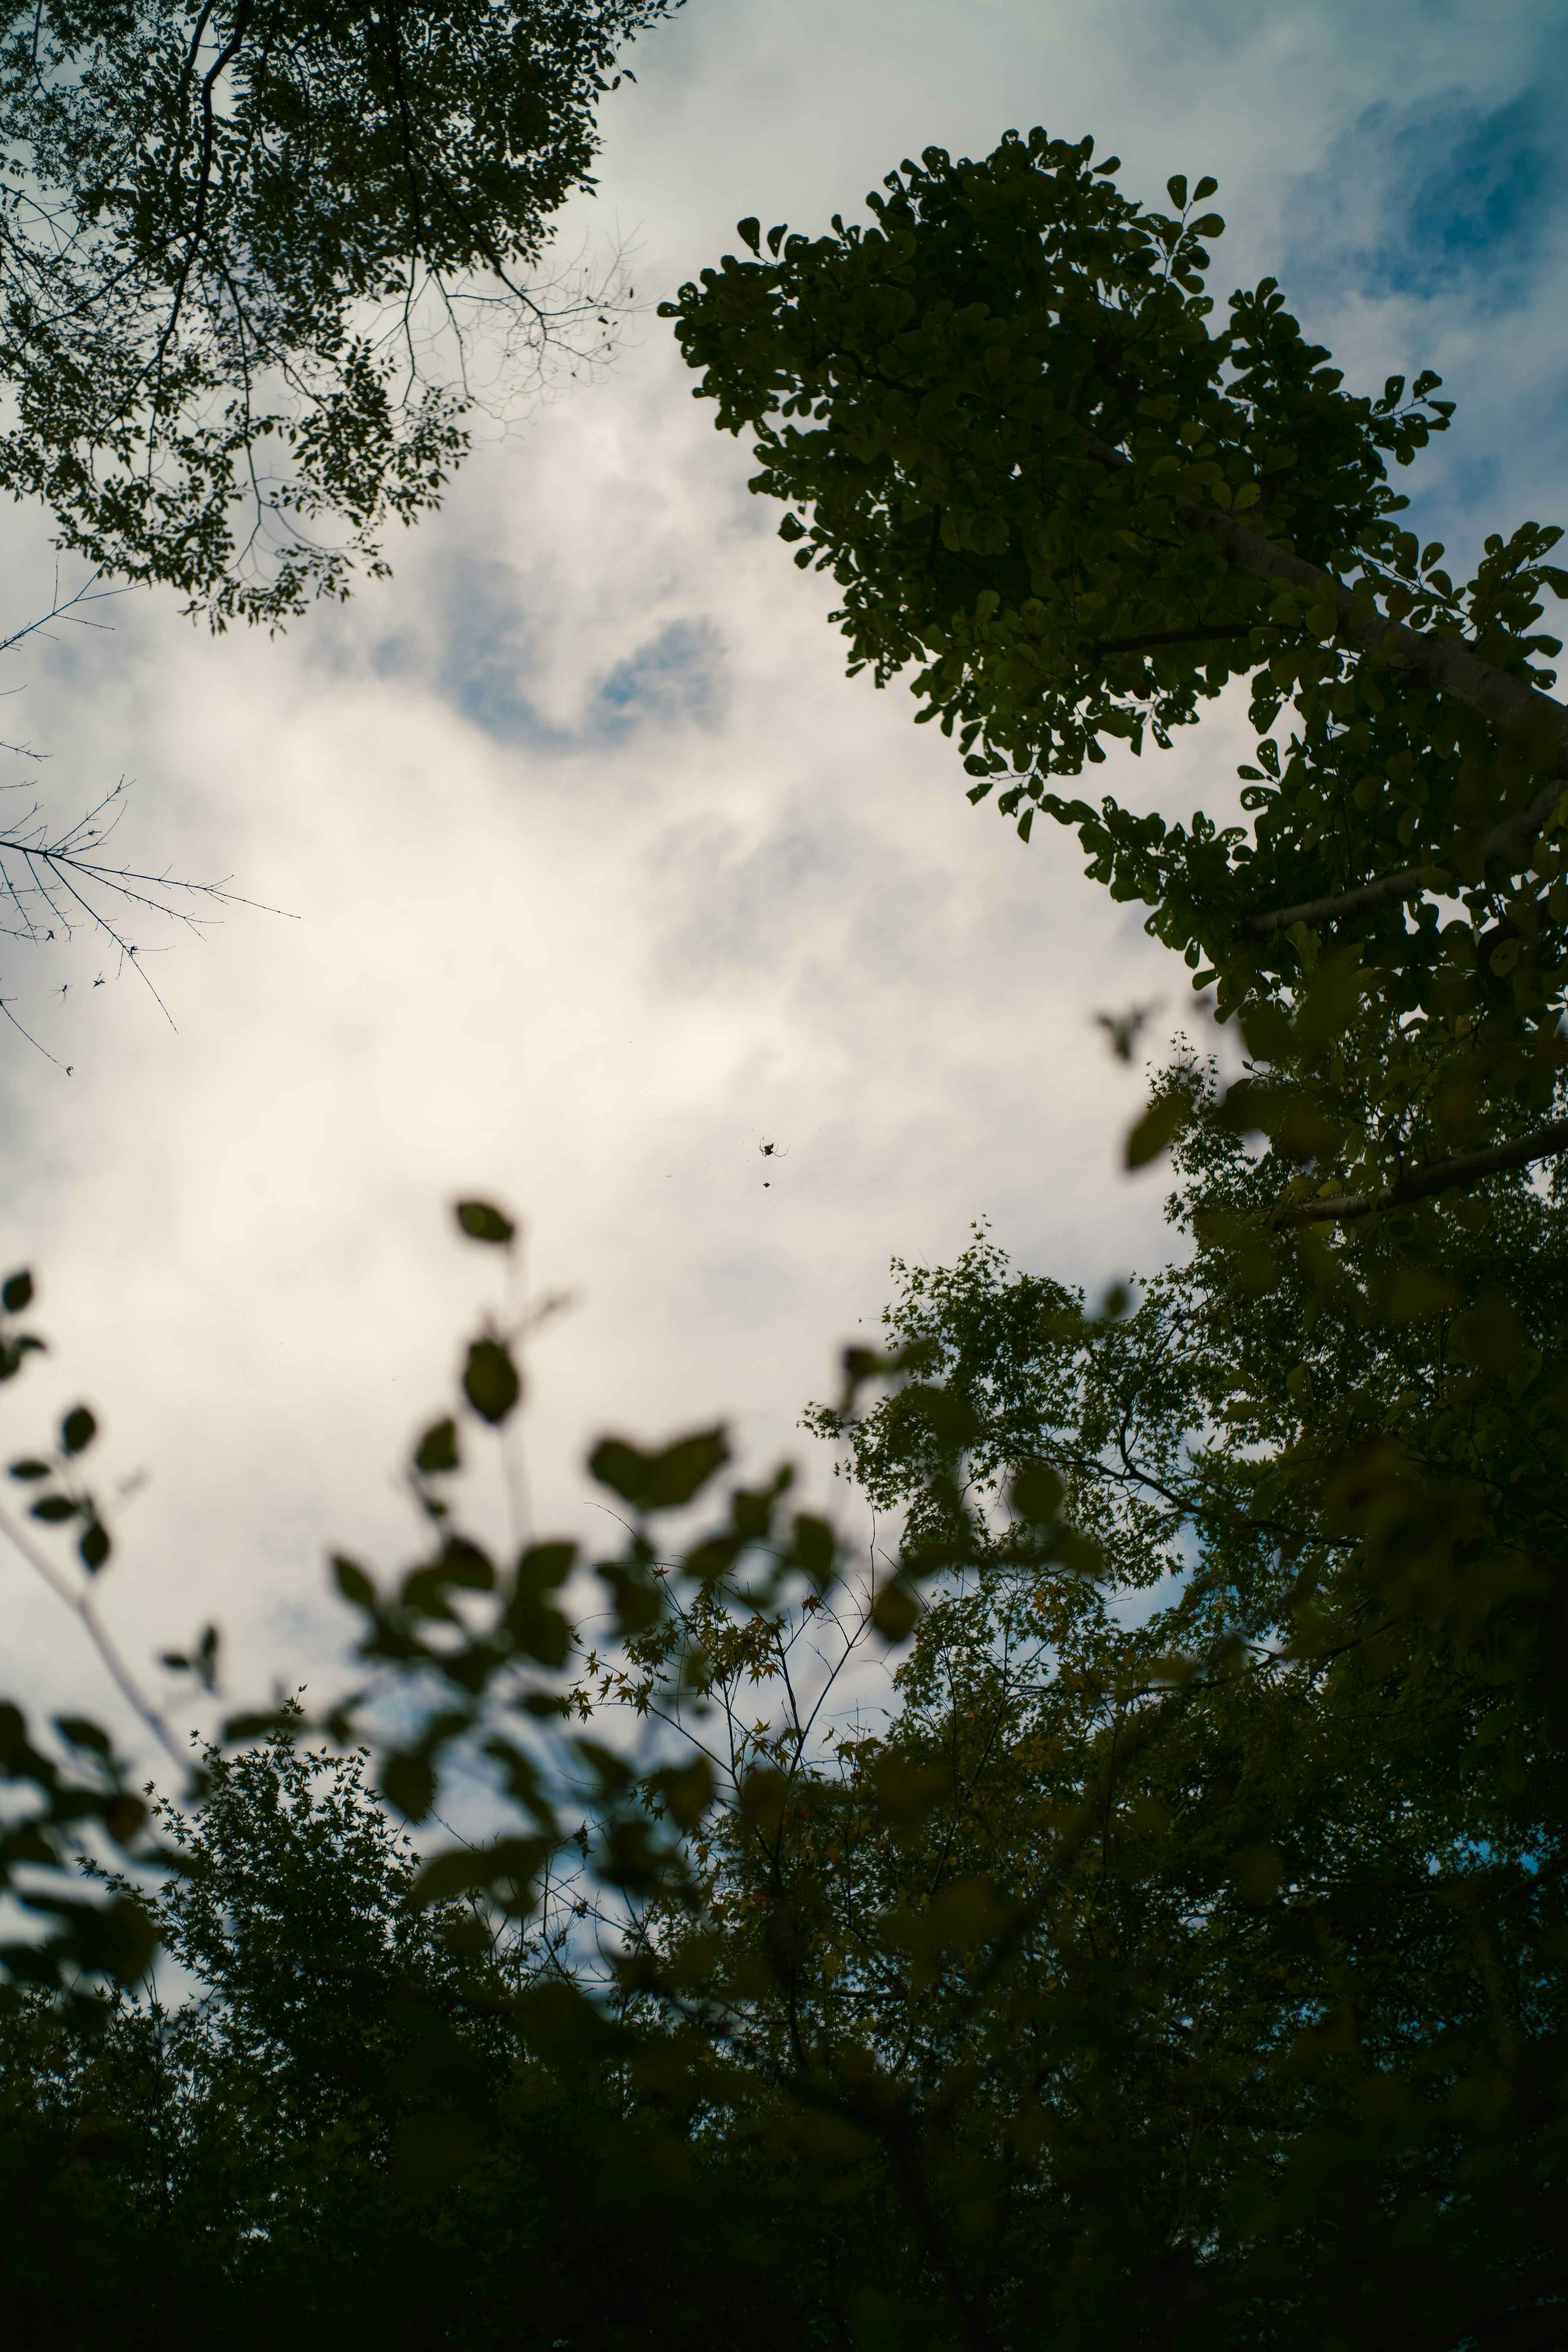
(90, 593)
(79, 1603)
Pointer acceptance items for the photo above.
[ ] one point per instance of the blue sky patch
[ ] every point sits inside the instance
(1432, 234)
(1448, 199)
(486, 654)
(1471, 192)
(676, 677)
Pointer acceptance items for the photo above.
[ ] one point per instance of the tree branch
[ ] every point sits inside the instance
(79, 1603)
(1511, 839)
(1546, 1143)
(1448, 665)
(1192, 635)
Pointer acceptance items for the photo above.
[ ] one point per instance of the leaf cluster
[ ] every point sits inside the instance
(233, 238)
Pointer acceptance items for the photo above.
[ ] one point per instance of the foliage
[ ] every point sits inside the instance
(236, 240)
(54, 1805)
(1179, 1962)
(1047, 481)
(342, 2135)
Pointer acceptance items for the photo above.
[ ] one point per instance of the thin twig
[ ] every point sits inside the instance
(80, 1604)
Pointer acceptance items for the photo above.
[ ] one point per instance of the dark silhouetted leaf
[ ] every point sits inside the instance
(659, 1482)
(482, 1223)
(437, 1450)
(490, 1380)
(77, 1430)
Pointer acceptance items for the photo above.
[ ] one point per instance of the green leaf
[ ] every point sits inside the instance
(490, 1381)
(54, 1508)
(353, 1582)
(1037, 1492)
(483, 1222)
(639, 1597)
(31, 1469)
(16, 1293)
(764, 1794)
(1259, 1872)
(409, 1782)
(1491, 1336)
(664, 1481)
(81, 1732)
(545, 1567)
(750, 232)
(1176, 189)
(895, 1610)
(464, 1870)
(1205, 187)
(1160, 1125)
(436, 1451)
(94, 1547)
(814, 1550)
(540, 1633)
(686, 1789)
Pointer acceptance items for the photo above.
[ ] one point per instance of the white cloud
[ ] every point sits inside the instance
(604, 874)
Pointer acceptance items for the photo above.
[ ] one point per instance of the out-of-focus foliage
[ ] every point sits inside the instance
(341, 2133)
(1181, 1964)
(1178, 1963)
(259, 258)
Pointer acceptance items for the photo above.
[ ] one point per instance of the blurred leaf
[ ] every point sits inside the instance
(659, 1482)
(639, 1597)
(765, 1793)
(1491, 1336)
(82, 1733)
(1259, 1872)
(1158, 1128)
(490, 1380)
(77, 1430)
(465, 1869)
(815, 1550)
(409, 1782)
(1037, 1492)
(895, 1610)
(687, 1789)
(353, 1582)
(483, 1222)
(437, 1450)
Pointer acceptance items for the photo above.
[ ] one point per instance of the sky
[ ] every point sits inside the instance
(598, 873)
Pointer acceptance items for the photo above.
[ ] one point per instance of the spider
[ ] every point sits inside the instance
(769, 1150)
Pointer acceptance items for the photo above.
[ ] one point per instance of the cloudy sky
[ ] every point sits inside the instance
(598, 873)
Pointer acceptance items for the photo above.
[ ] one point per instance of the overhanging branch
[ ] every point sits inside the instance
(1448, 665)
(1443, 1176)
(1510, 840)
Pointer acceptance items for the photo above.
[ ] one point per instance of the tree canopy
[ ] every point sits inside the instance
(1179, 1962)
(260, 258)
(1003, 417)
